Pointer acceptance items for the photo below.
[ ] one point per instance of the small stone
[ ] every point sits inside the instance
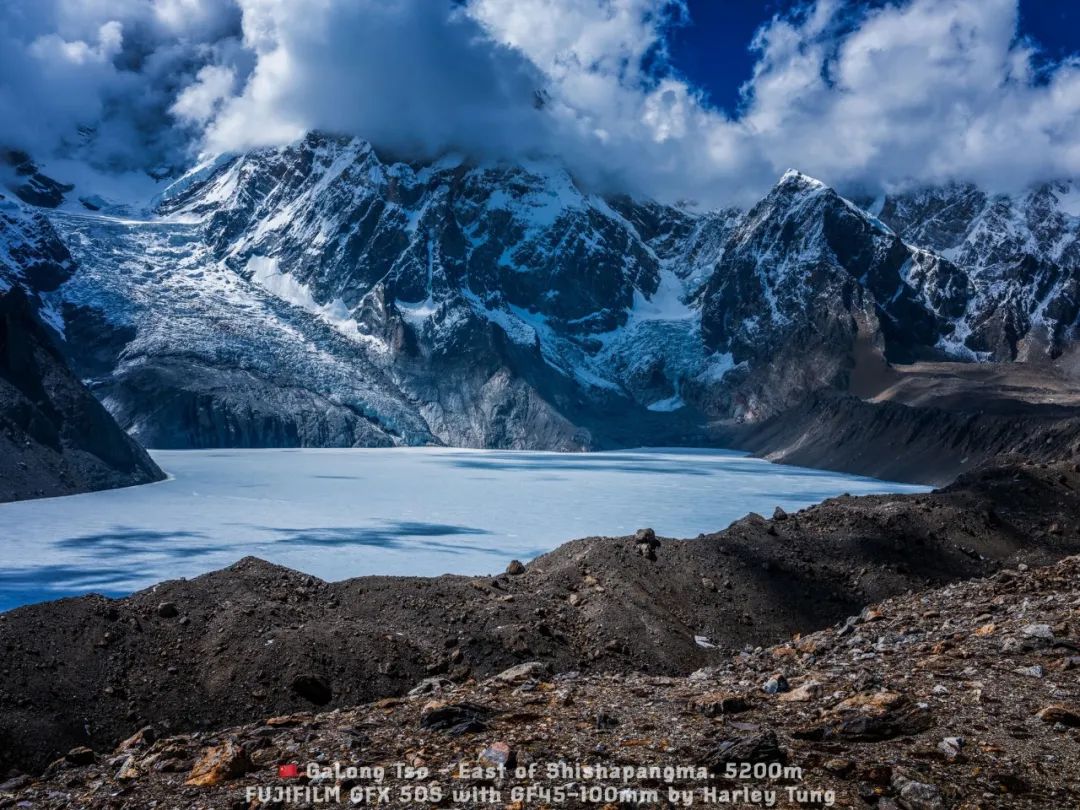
(873, 702)
(217, 764)
(779, 514)
(646, 543)
(1034, 671)
(841, 767)
(848, 627)
(454, 718)
(128, 770)
(167, 610)
(605, 721)
(140, 739)
(646, 536)
(287, 720)
(431, 686)
(811, 690)
(574, 599)
(986, 629)
(515, 568)
(80, 756)
(1059, 714)
(871, 615)
(777, 683)
(950, 746)
(497, 755)
(920, 796)
(713, 704)
(1039, 631)
(1011, 646)
(530, 670)
(761, 747)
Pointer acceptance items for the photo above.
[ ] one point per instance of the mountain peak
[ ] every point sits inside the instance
(793, 178)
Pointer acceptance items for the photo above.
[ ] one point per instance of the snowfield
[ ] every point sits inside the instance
(418, 511)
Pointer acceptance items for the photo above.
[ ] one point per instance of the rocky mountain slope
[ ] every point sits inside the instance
(921, 702)
(925, 443)
(1021, 253)
(805, 283)
(256, 639)
(55, 437)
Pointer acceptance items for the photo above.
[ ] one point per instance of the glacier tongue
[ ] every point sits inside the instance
(265, 273)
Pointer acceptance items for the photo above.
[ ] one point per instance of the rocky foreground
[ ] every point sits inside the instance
(967, 696)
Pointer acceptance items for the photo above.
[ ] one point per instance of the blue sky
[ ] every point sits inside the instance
(713, 50)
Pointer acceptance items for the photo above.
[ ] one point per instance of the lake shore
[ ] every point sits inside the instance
(339, 513)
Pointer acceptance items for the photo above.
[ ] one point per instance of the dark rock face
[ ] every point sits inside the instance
(55, 438)
(804, 277)
(31, 253)
(1021, 254)
(210, 406)
(526, 237)
(27, 183)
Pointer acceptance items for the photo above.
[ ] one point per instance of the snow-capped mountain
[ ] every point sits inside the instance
(55, 437)
(1021, 253)
(469, 304)
(452, 245)
(803, 281)
(32, 255)
(326, 294)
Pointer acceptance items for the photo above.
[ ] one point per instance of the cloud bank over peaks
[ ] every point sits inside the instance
(416, 78)
(915, 91)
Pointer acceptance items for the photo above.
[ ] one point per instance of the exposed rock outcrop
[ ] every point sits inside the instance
(55, 437)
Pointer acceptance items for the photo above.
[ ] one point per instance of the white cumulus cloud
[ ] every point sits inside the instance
(913, 91)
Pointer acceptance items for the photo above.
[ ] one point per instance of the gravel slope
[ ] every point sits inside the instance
(965, 696)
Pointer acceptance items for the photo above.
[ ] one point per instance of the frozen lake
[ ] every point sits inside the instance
(342, 513)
